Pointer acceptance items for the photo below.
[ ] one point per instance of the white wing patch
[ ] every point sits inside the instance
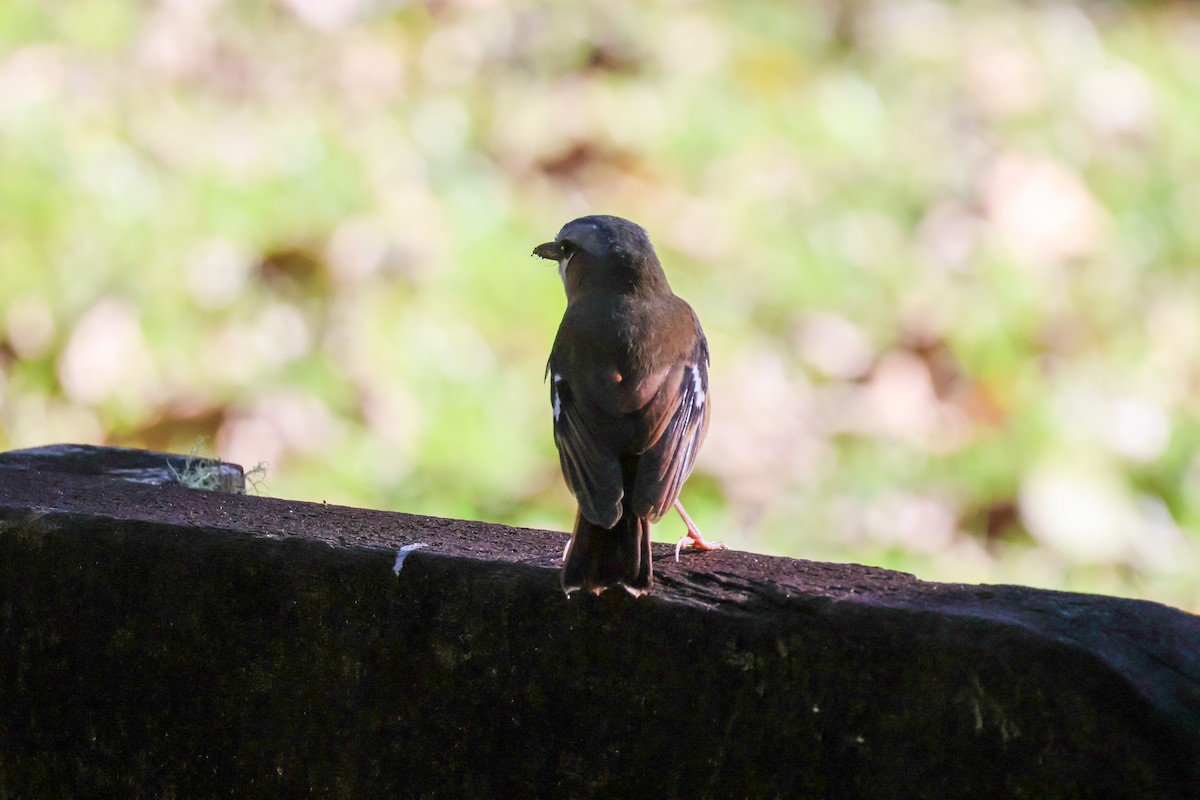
(697, 387)
(557, 400)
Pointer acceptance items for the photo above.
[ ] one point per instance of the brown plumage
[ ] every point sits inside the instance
(629, 396)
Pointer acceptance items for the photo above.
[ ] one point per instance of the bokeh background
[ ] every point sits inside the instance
(946, 255)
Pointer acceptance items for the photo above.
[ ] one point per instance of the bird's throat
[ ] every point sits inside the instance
(562, 268)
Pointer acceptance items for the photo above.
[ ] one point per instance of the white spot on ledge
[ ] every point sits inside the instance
(402, 554)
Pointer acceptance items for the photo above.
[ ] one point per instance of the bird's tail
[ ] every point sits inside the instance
(598, 558)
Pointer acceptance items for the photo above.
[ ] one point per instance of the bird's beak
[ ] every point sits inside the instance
(550, 250)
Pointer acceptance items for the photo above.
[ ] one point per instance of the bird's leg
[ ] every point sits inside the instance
(693, 533)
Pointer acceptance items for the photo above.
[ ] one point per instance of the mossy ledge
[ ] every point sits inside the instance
(158, 641)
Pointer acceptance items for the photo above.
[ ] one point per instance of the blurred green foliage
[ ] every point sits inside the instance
(945, 255)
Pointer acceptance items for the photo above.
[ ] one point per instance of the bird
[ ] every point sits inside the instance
(629, 398)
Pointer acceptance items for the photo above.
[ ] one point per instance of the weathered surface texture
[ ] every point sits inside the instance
(163, 642)
(139, 466)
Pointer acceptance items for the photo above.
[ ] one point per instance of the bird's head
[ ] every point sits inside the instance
(604, 254)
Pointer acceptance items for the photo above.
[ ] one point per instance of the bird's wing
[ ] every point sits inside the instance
(592, 471)
(682, 404)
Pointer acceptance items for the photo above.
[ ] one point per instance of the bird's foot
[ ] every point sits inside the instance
(698, 542)
(693, 535)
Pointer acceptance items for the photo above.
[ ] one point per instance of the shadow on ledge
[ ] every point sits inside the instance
(157, 641)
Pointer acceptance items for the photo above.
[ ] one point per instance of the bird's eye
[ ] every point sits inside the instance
(566, 247)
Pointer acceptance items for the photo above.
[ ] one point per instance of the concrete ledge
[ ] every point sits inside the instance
(163, 642)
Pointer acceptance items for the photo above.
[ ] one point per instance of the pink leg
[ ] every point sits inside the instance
(693, 533)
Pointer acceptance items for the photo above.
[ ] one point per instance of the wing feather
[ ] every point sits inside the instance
(666, 464)
(591, 472)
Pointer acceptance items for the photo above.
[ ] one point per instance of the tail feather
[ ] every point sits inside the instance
(599, 558)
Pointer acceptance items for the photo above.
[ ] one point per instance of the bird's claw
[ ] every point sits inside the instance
(698, 542)
(693, 533)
